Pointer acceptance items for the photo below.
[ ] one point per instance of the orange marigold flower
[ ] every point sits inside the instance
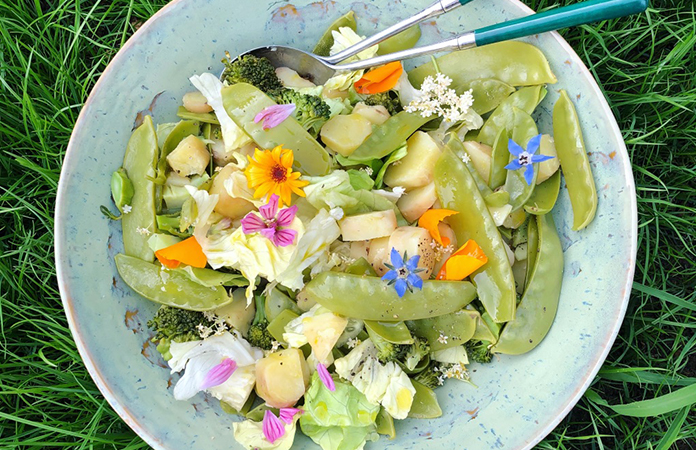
(270, 172)
(188, 252)
(380, 79)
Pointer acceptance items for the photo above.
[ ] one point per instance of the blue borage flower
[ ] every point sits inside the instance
(403, 275)
(526, 158)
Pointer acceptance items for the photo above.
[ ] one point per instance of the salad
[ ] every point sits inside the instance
(327, 256)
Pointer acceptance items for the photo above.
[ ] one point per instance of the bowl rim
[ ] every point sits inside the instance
(70, 160)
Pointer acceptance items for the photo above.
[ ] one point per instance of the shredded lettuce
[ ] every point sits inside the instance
(343, 38)
(396, 155)
(338, 420)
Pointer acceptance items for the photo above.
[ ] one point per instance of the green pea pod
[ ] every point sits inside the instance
(425, 405)
(169, 223)
(401, 41)
(455, 144)
(394, 332)
(139, 163)
(361, 267)
(482, 331)
(325, 43)
(370, 298)
(446, 331)
(500, 157)
(121, 189)
(243, 102)
(185, 114)
(488, 93)
(182, 130)
(539, 303)
(170, 288)
(457, 190)
(276, 327)
(389, 136)
(245, 408)
(513, 62)
(523, 130)
(385, 424)
(544, 196)
(574, 162)
(277, 302)
(532, 248)
(497, 199)
(525, 99)
(212, 278)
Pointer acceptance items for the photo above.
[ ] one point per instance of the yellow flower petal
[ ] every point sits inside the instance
(270, 172)
(431, 219)
(463, 262)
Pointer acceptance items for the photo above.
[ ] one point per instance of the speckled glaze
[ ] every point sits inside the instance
(519, 399)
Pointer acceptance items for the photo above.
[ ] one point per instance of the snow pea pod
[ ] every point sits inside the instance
(139, 163)
(544, 196)
(523, 129)
(455, 144)
(389, 136)
(525, 99)
(574, 162)
(532, 248)
(394, 332)
(385, 424)
(326, 40)
(276, 327)
(513, 62)
(457, 190)
(488, 93)
(361, 267)
(121, 189)
(482, 332)
(425, 405)
(370, 298)
(500, 157)
(170, 288)
(539, 303)
(243, 102)
(277, 302)
(400, 41)
(446, 331)
(199, 117)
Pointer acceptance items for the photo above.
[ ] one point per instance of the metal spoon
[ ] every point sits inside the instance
(319, 69)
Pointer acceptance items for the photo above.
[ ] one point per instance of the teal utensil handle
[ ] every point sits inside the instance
(567, 16)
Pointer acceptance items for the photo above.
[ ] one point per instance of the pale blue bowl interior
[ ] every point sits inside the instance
(518, 400)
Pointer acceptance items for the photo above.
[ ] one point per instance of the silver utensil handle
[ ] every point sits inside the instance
(461, 42)
(434, 10)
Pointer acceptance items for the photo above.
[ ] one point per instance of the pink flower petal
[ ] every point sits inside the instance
(270, 234)
(273, 428)
(325, 377)
(251, 223)
(286, 216)
(269, 210)
(284, 237)
(219, 374)
(273, 116)
(287, 414)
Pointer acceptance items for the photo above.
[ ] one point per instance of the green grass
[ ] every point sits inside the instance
(51, 54)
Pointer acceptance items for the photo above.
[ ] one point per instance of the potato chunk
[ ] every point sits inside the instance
(378, 253)
(376, 114)
(417, 167)
(190, 157)
(480, 157)
(415, 241)
(292, 79)
(196, 102)
(232, 207)
(414, 203)
(282, 378)
(549, 167)
(344, 133)
(368, 226)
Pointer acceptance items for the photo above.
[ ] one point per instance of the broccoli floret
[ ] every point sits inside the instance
(178, 325)
(386, 99)
(258, 334)
(253, 70)
(388, 351)
(479, 351)
(430, 376)
(310, 110)
(416, 352)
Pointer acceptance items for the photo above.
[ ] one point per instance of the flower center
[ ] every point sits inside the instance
(524, 158)
(402, 272)
(279, 173)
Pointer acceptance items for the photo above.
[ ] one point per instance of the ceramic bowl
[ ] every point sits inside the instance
(519, 400)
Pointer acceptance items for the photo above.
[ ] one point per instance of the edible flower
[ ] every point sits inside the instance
(403, 275)
(469, 258)
(526, 158)
(325, 377)
(219, 374)
(436, 98)
(270, 172)
(430, 221)
(188, 252)
(380, 79)
(272, 116)
(270, 222)
(273, 428)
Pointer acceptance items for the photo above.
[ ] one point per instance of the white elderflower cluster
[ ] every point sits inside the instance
(436, 98)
